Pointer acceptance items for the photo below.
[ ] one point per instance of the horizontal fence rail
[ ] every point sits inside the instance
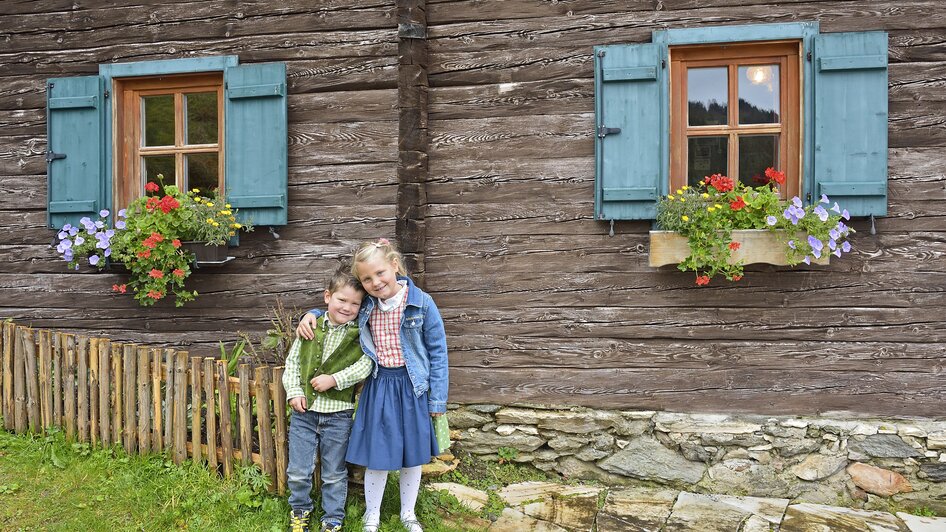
(145, 399)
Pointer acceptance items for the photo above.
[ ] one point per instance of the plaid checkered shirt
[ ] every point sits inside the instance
(345, 378)
(386, 333)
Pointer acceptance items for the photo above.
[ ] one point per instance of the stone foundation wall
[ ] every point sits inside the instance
(839, 460)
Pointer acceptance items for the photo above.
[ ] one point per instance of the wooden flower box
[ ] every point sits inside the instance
(756, 246)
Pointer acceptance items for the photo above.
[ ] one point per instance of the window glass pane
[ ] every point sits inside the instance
(153, 165)
(201, 124)
(759, 94)
(201, 171)
(707, 96)
(756, 153)
(706, 156)
(157, 120)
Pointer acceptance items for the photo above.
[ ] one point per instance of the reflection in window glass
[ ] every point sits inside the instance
(201, 123)
(706, 156)
(201, 171)
(154, 165)
(756, 153)
(157, 120)
(707, 96)
(759, 94)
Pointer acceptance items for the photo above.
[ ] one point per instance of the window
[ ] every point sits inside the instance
(738, 99)
(170, 126)
(201, 122)
(735, 111)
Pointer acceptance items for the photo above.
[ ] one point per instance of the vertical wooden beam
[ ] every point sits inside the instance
(195, 408)
(263, 406)
(130, 410)
(144, 400)
(46, 378)
(246, 420)
(226, 436)
(180, 407)
(168, 399)
(157, 371)
(82, 388)
(118, 389)
(69, 387)
(7, 362)
(94, 390)
(211, 417)
(104, 391)
(58, 349)
(282, 436)
(32, 385)
(412, 169)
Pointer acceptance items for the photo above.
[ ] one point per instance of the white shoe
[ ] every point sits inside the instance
(412, 525)
(369, 528)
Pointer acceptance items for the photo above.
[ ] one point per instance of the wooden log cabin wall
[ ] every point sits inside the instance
(496, 205)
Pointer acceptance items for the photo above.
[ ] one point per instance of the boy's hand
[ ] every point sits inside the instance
(298, 404)
(305, 326)
(323, 383)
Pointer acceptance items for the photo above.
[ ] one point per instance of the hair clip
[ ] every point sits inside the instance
(382, 242)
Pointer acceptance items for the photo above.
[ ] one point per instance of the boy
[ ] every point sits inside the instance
(319, 379)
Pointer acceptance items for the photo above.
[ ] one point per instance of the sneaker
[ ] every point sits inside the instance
(412, 525)
(372, 527)
(299, 521)
(330, 527)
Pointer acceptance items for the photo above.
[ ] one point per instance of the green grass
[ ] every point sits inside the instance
(47, 483)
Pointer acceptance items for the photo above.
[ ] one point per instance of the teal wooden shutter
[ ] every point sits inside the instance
(257, 142)
(630, 88)
(75, 110)
(850, 129)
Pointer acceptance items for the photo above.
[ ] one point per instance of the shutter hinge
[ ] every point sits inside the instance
(601, 53)
(106, 94)
(611, 231)
(663, 63)
(51, 85)
(605, 131)
(50, 156)
(808, 197)
(808, 56)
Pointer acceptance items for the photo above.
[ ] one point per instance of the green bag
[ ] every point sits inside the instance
(442, 432)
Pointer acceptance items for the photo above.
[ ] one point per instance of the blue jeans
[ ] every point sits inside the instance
(310, 433)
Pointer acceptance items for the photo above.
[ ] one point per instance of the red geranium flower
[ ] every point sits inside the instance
(146, 254)
(154, 294)
(774, 175)
(734, 246)
(736, 277)
(119, 288)
(152, 203)
(167, 204)
(702, 280)
(157, 274)
(151, 187)
(738, 204)
(178, 272)
(721, 182)
(176, 243)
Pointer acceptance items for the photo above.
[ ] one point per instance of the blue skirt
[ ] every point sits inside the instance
(392, 426)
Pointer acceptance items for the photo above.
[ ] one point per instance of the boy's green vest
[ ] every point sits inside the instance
(311, 365)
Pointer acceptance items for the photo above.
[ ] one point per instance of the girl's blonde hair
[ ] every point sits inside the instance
(369, 250)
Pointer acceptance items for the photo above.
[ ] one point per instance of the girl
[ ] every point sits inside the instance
(403, 333)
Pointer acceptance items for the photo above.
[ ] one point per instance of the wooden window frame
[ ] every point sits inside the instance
(787, 54)
(126, 139)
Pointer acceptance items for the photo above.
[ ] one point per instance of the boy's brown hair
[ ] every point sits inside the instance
(342, 278)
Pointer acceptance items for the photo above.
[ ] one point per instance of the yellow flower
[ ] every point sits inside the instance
(210, 220)
(670, 197)
(683, 200)
(685, 187)
(679, 191)
(710, 209)
(236, 226)
(226, 213)
(196, 200)
(705, 195)
(195, 190)
(231, 233)
(210, 204)
(227, 205)
(685, 218)
(718, 206)
(215, 224)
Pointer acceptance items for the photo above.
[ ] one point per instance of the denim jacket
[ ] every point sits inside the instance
(423, 341)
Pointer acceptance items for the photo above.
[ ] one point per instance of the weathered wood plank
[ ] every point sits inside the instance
(157, 372)
(226, 436)
(246, 419)
(93, 389)
(180, 407)
(196, 402)
(209, 376)
(117, 394)
(69, 387)
(263, 408)
(144, 399)
(45, 378)
(28, 337)
(130, 407)
(169, 384)
(280, 438)
(106, 378)
(9, 339)
(82, 388)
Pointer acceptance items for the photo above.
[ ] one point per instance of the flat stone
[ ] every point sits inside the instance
(742, 440)
(484, 408)
(746, 476)
(877, 480)
(573, 468)
(590, 454)
(916, 523)
(696, 512)
(789, 447)
(579, 421)
(884, 446)
(464, 418)
(646, 458)
(936, 440)
(473, 499)
(695, 452)
(572, 507)
(489, 442)
(636, 510)
(819, 466)
(934, 472)
(808, 517)
(567, 443)
(910, 430)
(631, 426)
(440, 465)
(704, 423)
(515, 521)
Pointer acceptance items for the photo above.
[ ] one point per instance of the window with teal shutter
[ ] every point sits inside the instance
(629, 87)
(842, 137)
(85, 176)
(74, 151)
(850, 126)
(257, 142)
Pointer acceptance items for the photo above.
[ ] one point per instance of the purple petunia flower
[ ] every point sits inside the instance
(771, 220)
(67, 227)
(815, 243)
(67, 255)
(824, 199)
(103, 213)
(796, 201)
(845, 246)
(806, 260)
(119, 224)
(99, 224)
(794, 213)
(85, 220)
(834, 234)
(110, 233)
(121, 213)
(791, 244)
(102, 244)
(841, 227)
(93, 259)
(63, 235)
(822, 214)
(73, 231)
(79, 241)
(832, 244)
(108, 252)
(66, 244)
(836, 208)
(837, 252)
(846, 215)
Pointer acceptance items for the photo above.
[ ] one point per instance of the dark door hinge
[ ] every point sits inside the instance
(605, 131)
(808, 56)
(106, 94)
(50, 156)
(663, 63)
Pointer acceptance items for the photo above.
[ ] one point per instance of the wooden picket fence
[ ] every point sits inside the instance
(148, 400)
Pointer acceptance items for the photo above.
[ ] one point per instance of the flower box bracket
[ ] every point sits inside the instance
(755, 246)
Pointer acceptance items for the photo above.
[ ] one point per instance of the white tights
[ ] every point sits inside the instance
(375, 480)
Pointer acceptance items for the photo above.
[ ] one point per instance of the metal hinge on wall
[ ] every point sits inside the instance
(605, 131)
(808, 56)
